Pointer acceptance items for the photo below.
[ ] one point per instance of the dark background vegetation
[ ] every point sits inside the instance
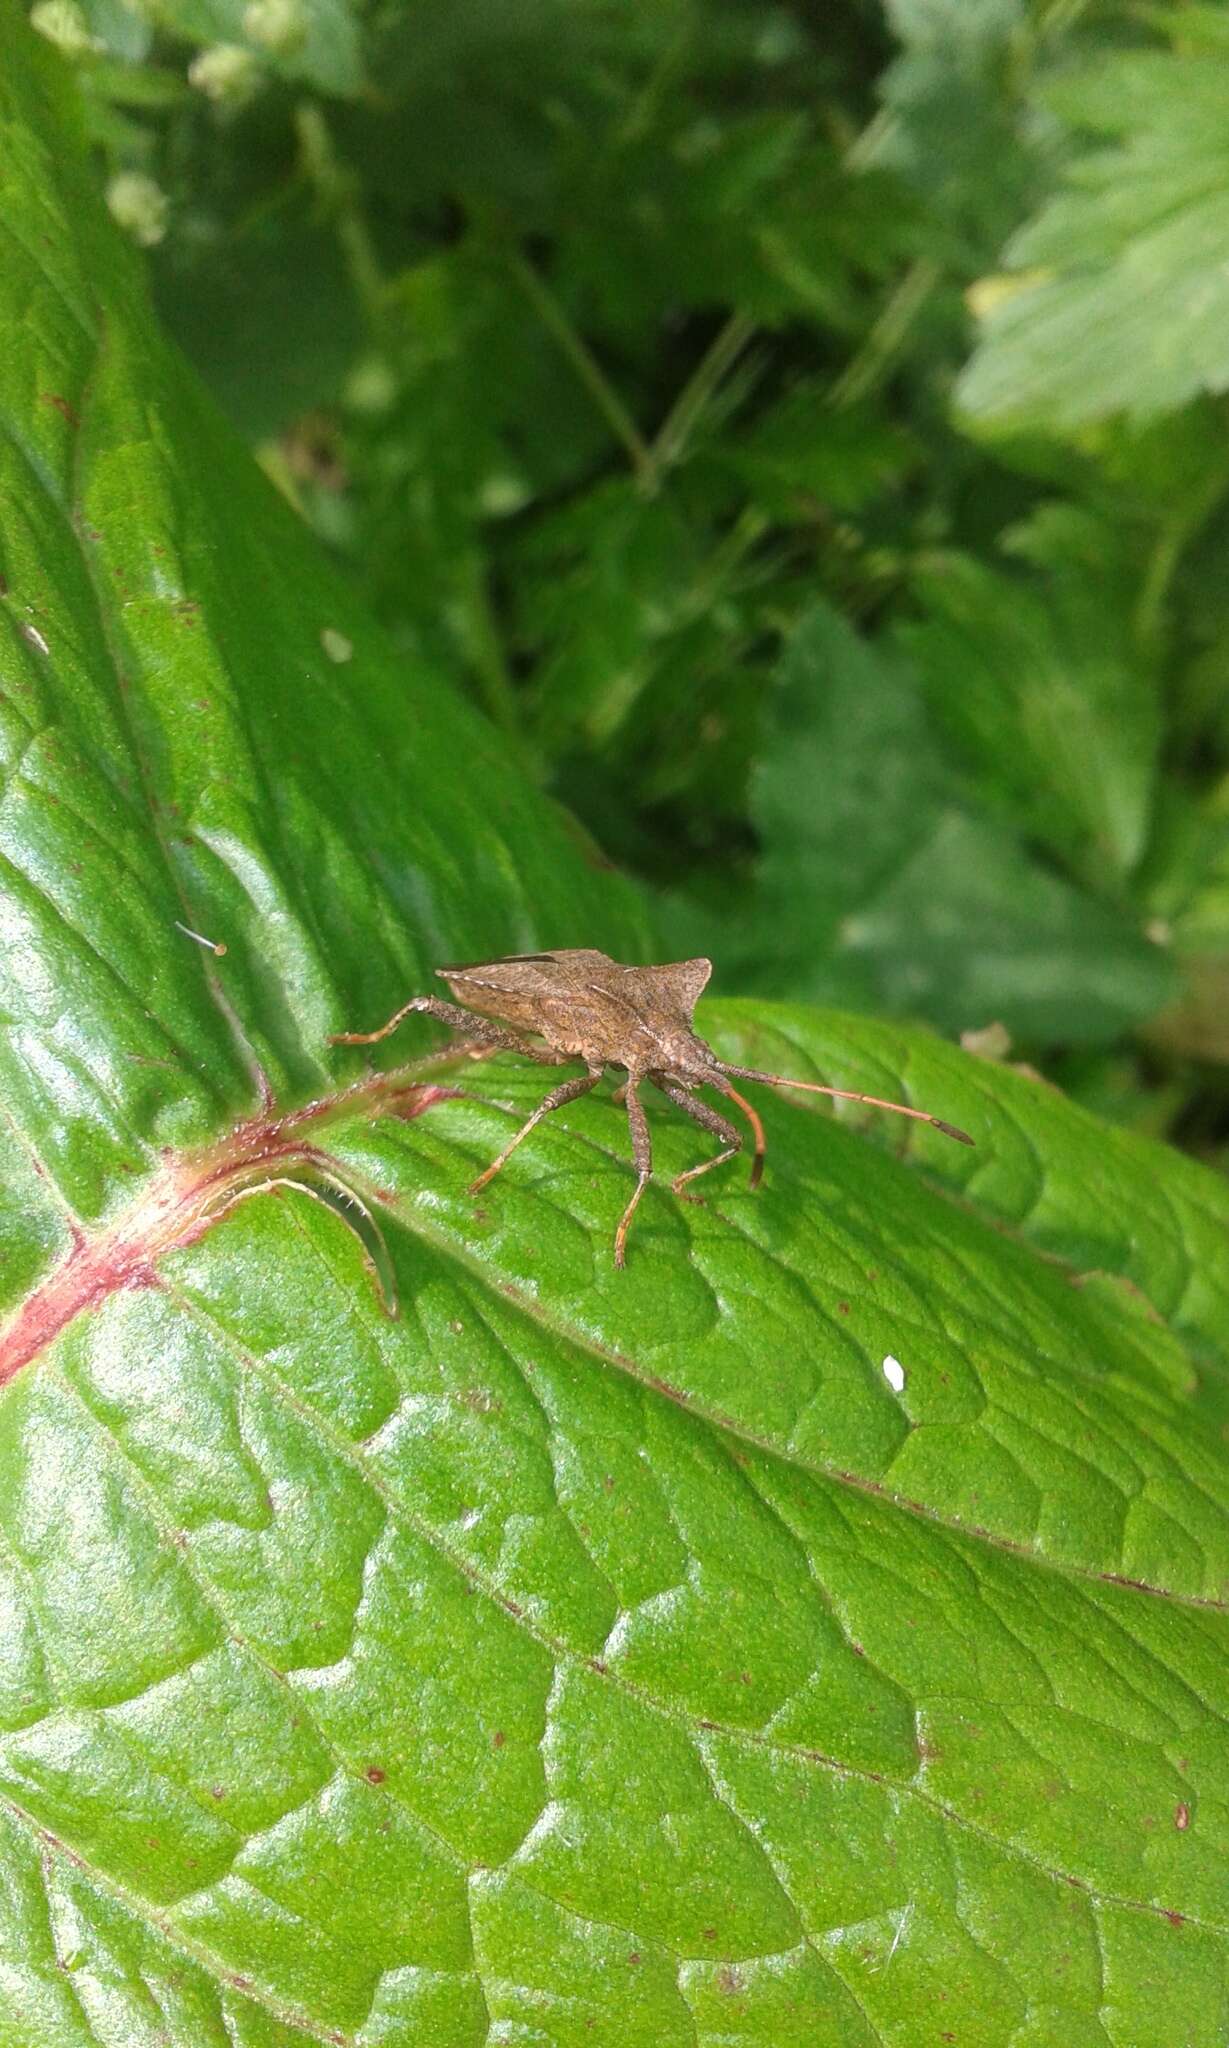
(798, 426)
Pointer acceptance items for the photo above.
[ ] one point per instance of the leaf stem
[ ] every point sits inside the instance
(645, 106)
(586, 366)
(337, 188)
(868, 367)
(1174, 536)
(698, 391)
(484, 647)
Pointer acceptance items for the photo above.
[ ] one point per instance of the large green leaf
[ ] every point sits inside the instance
(950, 125)
(579, 1656)
(890, 882)
(1039, 683)
(202, 725)
(1116, 300)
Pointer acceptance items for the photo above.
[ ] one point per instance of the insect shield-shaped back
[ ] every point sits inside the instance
(523, 990)
(547, 993)
(585, 1004)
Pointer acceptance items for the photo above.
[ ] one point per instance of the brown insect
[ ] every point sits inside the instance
(584, 1006)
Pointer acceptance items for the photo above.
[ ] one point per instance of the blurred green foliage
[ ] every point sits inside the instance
(799, 426)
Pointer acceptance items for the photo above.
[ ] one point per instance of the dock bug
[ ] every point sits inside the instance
(584, 1006)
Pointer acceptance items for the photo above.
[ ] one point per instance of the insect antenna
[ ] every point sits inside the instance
(922, 1116)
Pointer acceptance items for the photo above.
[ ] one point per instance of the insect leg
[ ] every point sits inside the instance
(430, 1006)
(752, 1116)
(484, 1038)
(642, 1153)
(567, 1091)
(708, 1120)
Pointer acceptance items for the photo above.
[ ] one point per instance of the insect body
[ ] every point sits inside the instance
(581, 1005)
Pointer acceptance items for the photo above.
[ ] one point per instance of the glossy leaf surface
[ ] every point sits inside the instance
(578, 1655)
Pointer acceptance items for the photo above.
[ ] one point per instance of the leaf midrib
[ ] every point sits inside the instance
(460, 1254)
(181, 1202)
(694, 1726)
(190, 1193)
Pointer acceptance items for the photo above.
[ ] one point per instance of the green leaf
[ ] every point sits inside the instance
(618, 1644)
(1039, 683)
(802, 452)
(1116, 300)
(267, 316)
(614, 577)
(752, 212)
(579, 1655)
(204, 726)
(885, 884)
(950, 126)
(459, 441)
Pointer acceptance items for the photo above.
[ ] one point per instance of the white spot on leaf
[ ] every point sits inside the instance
(336, 645)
